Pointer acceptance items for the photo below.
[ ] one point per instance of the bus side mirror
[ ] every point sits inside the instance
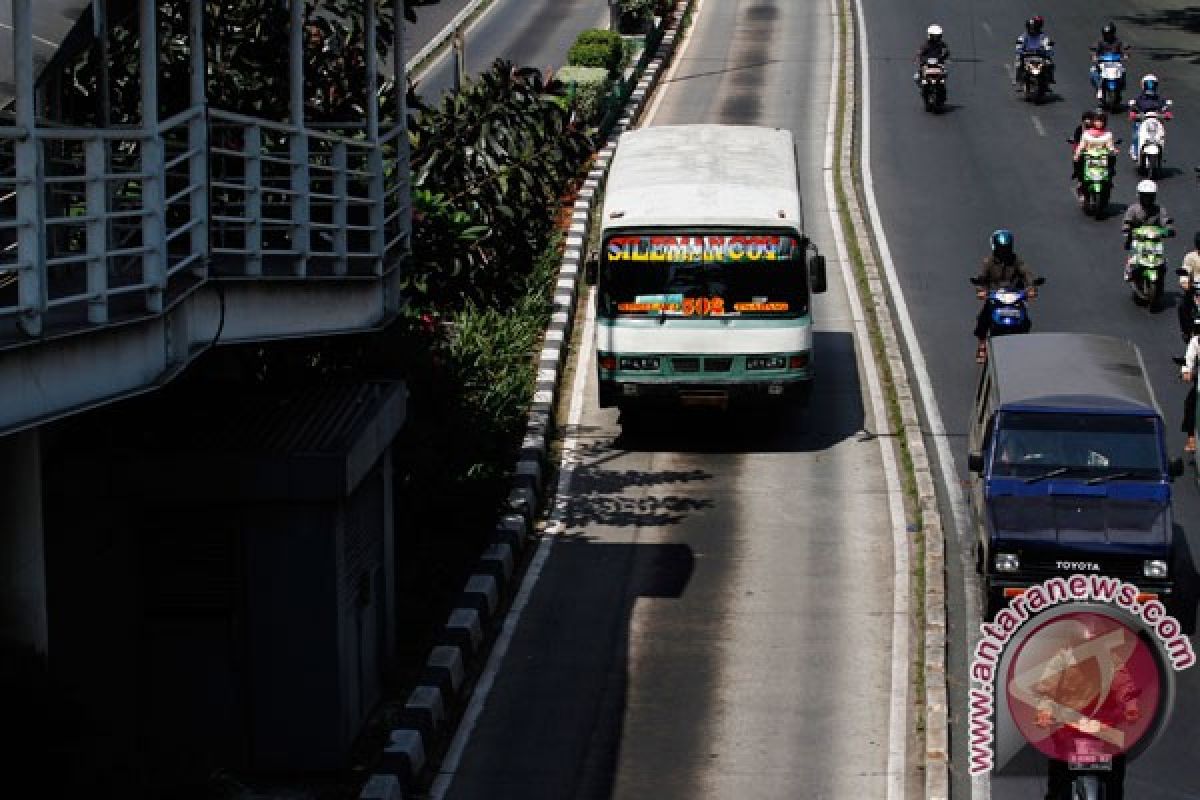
(816, 274)
(975, 462)
(1175, 467)
(591, 267)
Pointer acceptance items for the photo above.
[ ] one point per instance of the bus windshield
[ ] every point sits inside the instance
(703, 275)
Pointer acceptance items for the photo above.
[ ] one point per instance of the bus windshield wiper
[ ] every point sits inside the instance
(1111, 477)
(1054, 473)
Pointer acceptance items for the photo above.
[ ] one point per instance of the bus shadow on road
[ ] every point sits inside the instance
(834, 413)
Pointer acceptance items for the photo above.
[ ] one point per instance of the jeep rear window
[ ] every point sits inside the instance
(1032, 443)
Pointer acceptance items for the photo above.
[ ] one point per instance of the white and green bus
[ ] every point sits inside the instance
(704, 278)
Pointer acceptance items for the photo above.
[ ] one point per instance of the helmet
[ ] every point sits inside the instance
(934, 31)
(1033, 25)
(1150, 84)
(1002, 242)
(1100, 117)
(1147, 187)
(1109, 32)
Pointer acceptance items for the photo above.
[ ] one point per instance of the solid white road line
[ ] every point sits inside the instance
(562, 497)
(980, 784)
(897, 759)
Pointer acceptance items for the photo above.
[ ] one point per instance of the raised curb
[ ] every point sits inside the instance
(937, 741)
(444, 685)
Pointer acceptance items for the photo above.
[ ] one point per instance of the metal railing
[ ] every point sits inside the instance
(100, 225)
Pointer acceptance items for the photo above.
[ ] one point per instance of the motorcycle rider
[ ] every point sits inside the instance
(1033, 42)
(1066, 685)
(1147, 100)
(1188, 309)
(1108, 43)
(1188, 376)
(1146, 211)
(933, 47)
(1002, 268)
(1093, 139)
(1085, 122)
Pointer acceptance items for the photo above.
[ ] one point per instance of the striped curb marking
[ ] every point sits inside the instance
(404, 756)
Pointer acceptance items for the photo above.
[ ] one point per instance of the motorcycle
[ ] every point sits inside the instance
(1108, 76)
(1035, 69)
(932, 80)
(1147, 262)
(1010, 312)
(1091, 769)
(1096, 187)
(1150, 140)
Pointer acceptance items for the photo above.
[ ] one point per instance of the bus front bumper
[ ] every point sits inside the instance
(718, 395)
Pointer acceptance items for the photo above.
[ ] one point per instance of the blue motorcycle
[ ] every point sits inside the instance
(1108, 78)
(1009, 311)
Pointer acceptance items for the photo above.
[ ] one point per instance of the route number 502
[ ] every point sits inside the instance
(703, 306)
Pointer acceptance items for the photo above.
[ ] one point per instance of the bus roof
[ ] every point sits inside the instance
(691, 175)
(1080, 372)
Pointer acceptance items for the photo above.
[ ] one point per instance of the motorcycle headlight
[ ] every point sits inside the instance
(1007, 562)
(1154, 568)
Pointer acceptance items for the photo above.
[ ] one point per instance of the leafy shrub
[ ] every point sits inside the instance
(641, 8)
(636, 15)
(486, 167)
(587, 87)
(587, 54)
(599, 36)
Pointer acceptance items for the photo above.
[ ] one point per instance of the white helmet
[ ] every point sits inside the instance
(1147, 187)
(934, 31)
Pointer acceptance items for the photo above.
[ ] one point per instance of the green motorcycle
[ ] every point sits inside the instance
(1097, 183)
(1147, 263)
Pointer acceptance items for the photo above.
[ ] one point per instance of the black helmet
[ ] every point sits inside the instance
(1002, 243)
(1033, 25)
(1109, 32)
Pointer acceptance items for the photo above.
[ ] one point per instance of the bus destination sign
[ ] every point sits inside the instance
(721, 249)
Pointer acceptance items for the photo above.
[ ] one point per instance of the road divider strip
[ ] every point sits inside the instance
(891, 353)
(464, 663)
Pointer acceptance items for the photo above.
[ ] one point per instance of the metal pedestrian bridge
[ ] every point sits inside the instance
(127, 251)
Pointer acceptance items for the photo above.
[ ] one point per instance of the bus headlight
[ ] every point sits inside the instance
(765, 362)
(1154, 568)
(640, 363)
(1007, 562)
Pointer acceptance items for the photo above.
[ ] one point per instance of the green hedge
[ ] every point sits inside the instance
(588, 88)
(597, 48)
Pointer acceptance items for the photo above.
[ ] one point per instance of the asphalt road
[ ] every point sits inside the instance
(716, 618)
(992, 160)
(530, 33)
